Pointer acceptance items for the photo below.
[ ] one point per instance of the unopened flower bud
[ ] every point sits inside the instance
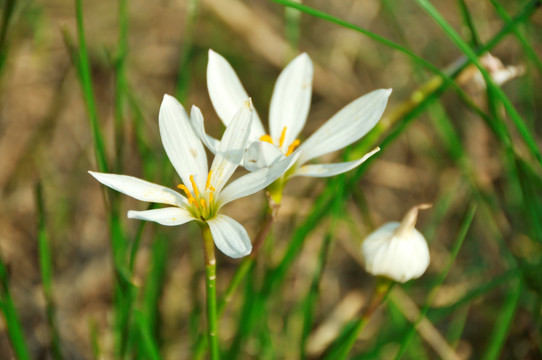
(397, 250)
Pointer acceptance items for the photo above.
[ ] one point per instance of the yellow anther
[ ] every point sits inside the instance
(292, 147)
(187, 192)
(208, 183)
(282, 136)
(266, 138)
(211, 197)
(203, 203)
(194, 186)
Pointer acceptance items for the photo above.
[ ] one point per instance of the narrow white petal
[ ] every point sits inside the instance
(199, 128)
(140, 189)
(227, 93)
(182, 145)
(232, 146)
(326, 170)
(230, 236)
(170, 216)
(256, 180)
(347, 126)
(261, 154)
(291, 100)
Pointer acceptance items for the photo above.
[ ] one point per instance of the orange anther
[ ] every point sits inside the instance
(266, 138)
(292, 147)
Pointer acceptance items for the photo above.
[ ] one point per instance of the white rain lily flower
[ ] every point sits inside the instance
(397, 250)
(206, 191)
(288, 112)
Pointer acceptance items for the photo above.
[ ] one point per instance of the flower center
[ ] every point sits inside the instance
(291, 147)
(202, 203)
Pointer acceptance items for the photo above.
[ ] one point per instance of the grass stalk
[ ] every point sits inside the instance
(11, 317)
(46, 268)
(462, 234)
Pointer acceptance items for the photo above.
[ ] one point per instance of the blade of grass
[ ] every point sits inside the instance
(527, 47)
(467, 19)
(11, 318)
(120, 82)
(147, 345)
(7, 13)
(505, 317)
(183, 78)
(472, 56)
(309, 301)
(46, 267)
(462, 234)
(83, 70)
(292, 22)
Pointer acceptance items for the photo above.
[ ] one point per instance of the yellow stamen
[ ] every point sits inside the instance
(187, 192)
(211, 197)
(292, 147)
(196, 191)
(208, 183)
(282, 136)
(203, 203)
(266, 138)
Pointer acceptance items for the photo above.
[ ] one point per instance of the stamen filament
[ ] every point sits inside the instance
(191, 199)
(208, 183)
(194, 186)
(266, 138)
(282, 136)
(292, 147)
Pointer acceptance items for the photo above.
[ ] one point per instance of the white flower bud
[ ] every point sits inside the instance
(397, 250)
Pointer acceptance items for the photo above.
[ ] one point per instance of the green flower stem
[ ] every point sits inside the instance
(244, 267)
(381, 292)
(210, 282)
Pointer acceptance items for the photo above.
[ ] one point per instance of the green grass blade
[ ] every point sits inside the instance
(150, 350)
(183, 78)
(462, 234)
(292, 20)
(527, 47)
(120, 83)
(504, 320)
(46, 267)
(467, 19)
(309, 302)
(83, 69)
(473, 57)
(7, 13)
(11, 318)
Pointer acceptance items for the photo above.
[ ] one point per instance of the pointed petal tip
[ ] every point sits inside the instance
(248, 104)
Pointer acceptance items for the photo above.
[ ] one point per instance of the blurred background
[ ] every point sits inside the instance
(457, 148)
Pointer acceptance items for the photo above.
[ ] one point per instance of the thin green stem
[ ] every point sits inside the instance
(380, 294)
(210, 282)
(46, 268)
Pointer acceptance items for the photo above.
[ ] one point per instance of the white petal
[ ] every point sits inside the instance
(232, 146)
(291, 100)
(140, 189)
(326, 170)
(182, 145)
(261, 154)
(347, 126)
(227, 93)
(230, 236)
(170, 216)
(256, 180)
(199, 128)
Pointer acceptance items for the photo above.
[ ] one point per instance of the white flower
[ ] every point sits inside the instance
(288, 112)
(206, 191)
(397, 250)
